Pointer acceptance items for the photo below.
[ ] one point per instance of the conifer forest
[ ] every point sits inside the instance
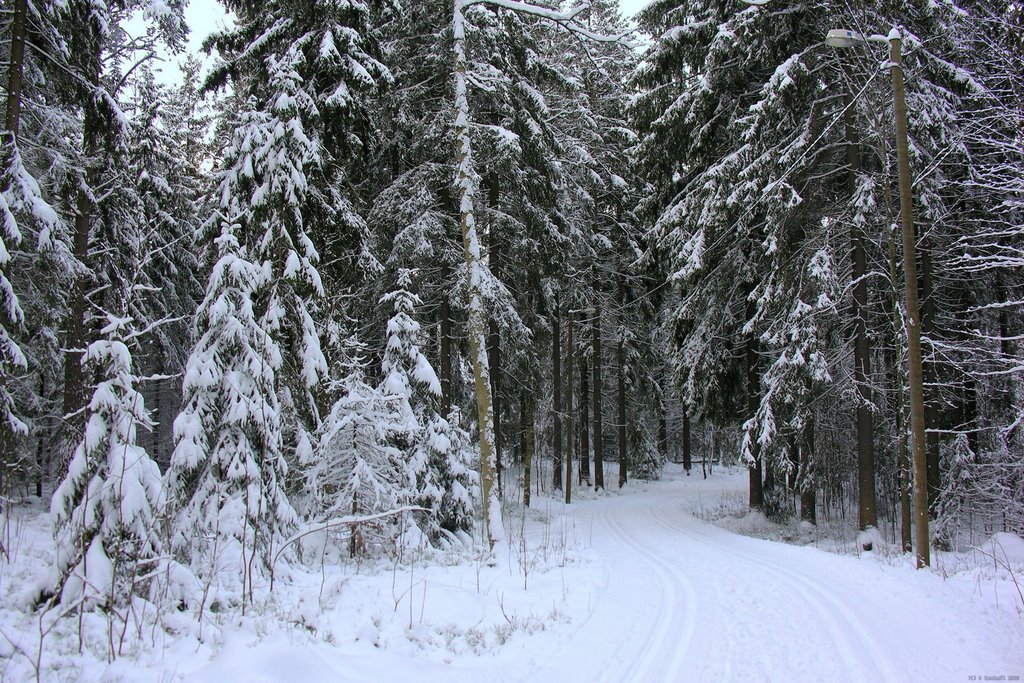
(389, 338)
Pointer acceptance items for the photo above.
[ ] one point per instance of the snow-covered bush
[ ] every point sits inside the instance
(354, 469)
(955, 497)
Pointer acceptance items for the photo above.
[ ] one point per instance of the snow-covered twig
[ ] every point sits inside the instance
(565, 18)
(1009, 570)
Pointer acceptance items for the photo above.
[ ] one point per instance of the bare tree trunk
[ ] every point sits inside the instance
(903, 469)
(662, 429)
(494, 340)
(808, 502)
(445, 344)
(526, 415)
(584, 423)
(756, 497)
(74, 328)
(570, 428)
(16, 68)
(477, 319)
(556, 381)
(931, 405)
(867, 503)
(41, 433)
(595, 329)
(897, 381)
(687, 457)
(621, 426)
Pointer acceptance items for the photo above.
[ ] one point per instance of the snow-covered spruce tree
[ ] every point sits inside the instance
(303, 73)
(685, 113)
(614, 246)
(412, 216)
(434, 455)
(450, 485)
(517, 74)
(161, 199)
(27, 221)
(19, 197)
(732, 146)
(967, 136)
(993, 255)
(97, 45)
(227, 473)
(409, 380)
(105, 511)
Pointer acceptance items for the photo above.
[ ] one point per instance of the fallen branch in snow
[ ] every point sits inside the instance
(351, 521)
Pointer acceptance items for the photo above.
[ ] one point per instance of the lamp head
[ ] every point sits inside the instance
(842, 38)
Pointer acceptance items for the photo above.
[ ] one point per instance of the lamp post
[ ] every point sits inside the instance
(841, 38)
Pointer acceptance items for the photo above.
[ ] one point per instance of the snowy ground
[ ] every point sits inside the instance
(617, 587)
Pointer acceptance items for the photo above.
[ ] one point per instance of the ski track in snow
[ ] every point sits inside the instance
(669, 640)
(847, 632)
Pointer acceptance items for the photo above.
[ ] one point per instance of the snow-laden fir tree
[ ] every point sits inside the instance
(302, 73)
(20, 199)
(433, 448)
(729, 113)
(24, 214)
(386, 447)
(264, 190)
(97, 45)
(105, 511)
(448, 483)
(409, 380)
(162, 202)
(227, 473)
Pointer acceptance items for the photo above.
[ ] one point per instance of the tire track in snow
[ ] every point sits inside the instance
(840, 620)
(669, 642)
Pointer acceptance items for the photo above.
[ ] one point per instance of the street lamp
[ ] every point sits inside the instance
(841, 38)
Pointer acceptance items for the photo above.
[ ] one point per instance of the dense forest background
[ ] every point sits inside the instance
(279, 293)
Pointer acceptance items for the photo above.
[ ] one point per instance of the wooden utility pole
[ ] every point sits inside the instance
(913, 315)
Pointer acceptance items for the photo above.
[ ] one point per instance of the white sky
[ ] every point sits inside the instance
(204, 16)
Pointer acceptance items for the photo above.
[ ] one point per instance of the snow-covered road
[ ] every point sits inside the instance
(668, 597)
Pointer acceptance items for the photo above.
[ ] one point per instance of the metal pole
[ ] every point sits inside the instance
(917, 426)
